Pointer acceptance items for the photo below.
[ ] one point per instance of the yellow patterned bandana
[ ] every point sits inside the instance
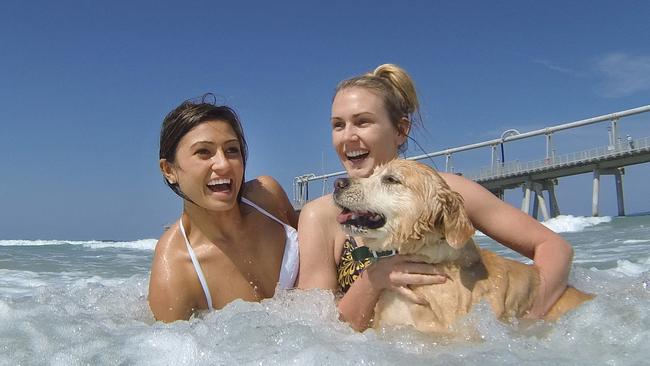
(349, 269)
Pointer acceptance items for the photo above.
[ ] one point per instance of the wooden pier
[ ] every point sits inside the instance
(538, 176)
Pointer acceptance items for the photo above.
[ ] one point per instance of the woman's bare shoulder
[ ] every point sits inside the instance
(267, 193)
(321, 208)
(167, 240)
(263, 183)
(318, 225)
(170, 252)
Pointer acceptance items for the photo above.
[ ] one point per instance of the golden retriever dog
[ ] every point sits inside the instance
(408, 207)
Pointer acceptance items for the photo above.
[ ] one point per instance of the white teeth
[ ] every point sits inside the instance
(354, 154)
(214, 182)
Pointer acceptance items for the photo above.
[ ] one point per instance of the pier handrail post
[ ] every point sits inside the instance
(448, 163)
(301, 188)
(549, 146)
(616, 139)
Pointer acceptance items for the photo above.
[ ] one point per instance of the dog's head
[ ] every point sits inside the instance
(403, 203)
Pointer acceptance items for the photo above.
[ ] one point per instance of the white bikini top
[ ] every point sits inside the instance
(290, 259)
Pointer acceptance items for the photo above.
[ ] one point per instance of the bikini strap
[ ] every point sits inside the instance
(197, 267)
(263, 211)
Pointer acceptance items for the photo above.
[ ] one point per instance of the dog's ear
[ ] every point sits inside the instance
(457, 227)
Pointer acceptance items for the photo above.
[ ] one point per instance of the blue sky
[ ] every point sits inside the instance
(84, 86)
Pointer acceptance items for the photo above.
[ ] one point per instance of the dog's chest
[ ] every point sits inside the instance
(446, 302)
(508, 286)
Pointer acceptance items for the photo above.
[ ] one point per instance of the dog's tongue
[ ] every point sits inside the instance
(344, 216)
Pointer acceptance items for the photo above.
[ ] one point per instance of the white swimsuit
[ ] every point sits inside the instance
(290, 259)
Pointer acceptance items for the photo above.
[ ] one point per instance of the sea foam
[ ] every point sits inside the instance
(573, 224)
(72, 303)
(143, 244)
(569, 223)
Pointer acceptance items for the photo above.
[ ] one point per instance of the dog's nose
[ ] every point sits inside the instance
(341, 183)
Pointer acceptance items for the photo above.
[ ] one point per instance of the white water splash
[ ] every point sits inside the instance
(78, 304)
(143, 244)
(573, 224)
(569, 223)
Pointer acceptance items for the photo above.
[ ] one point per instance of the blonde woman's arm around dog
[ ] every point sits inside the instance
(318, 234)
(551, 254)
(317, 230)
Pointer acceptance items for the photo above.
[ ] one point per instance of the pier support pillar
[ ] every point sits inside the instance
(540, 202)
(619, 192)
(499, 193)
(595, 193)
(618, 176)
(555, 208)
(535, 212)
(525, 203)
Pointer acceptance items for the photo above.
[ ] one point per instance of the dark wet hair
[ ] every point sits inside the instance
(188, 115)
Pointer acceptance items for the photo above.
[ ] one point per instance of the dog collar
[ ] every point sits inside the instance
(362, 253)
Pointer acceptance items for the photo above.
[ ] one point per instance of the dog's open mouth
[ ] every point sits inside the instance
(361, 220)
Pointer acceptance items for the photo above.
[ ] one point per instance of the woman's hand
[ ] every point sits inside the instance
(399, 272)
(552, 260)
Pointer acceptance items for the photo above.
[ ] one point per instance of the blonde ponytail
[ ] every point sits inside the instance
(403, 84)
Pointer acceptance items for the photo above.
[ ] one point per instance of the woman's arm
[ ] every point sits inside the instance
(357, 306)
(316, 235)
(551, 254)
(316, 238)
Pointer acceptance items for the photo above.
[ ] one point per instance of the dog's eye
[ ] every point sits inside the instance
(389, 179)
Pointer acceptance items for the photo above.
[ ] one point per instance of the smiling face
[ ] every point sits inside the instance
(362, 133)
(208, 166)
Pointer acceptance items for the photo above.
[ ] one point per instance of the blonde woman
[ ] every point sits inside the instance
(372, 116)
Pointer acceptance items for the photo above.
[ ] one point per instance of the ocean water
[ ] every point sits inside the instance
(77, 303)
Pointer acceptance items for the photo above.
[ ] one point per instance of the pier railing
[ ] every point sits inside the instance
(513, 168)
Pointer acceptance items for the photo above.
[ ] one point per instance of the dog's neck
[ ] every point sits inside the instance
(435, 249)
